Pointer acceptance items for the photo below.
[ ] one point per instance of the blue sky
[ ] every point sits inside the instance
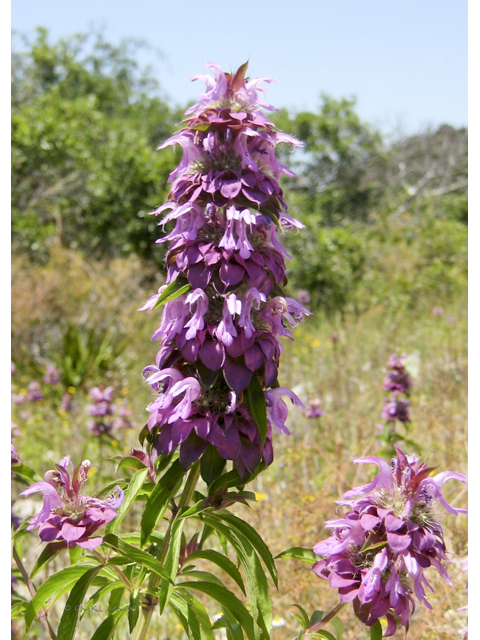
(406, 61)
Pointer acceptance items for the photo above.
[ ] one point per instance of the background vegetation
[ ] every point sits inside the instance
(383, 258)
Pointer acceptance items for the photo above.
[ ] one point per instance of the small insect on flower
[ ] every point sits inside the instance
(68, 516)
(380, 549)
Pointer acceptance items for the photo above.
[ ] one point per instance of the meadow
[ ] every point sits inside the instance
(381, 264)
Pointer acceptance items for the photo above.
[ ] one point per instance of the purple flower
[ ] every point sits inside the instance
(101, 410)
(313, 409)
(224, 207)
(51, 376)
(122, 420)
(378, 551)
(15, 430)
(34, 393)
(303, 296)
(15, 458)
(68, 516)
(66, 402)
(18, 398)
(394, 409)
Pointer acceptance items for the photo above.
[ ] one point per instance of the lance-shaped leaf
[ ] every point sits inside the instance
(133, 609)
(227, 600)
(158, 500)
(68, 622)
(106, 629)
(376, 632)
(257, 406)
(221, 561)
(54, 585)
(50, 552)
(134, 487)
(174, 289)
(142, 558)
(27, 473)
(246, 530)
(211, 465)
(171, 563)
(299, 553)
(256, 579)
(185, 616)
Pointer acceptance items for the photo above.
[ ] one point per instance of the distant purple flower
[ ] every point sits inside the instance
(15, 430)
(34, 392)
(378, 551)
(122, 419)
(68, 516)
(438, 311)
(101, 410)
(394, 409)
(66, 403)
(18, 398)
(51, 376)
(313, 409)
(334, 337)
(15, 458)
(303, 296)
(13, 368)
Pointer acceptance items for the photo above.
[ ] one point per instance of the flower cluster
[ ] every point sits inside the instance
(106, 416)
(397, 381)
(101, 410)
(378, 552)
(220, 331)
(67, 516)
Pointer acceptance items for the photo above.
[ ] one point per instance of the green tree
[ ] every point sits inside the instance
(86, 122)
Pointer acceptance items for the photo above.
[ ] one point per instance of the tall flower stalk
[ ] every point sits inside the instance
(225, 311)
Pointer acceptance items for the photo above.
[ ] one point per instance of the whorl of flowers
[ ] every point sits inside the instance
(397, 381)
(101, 410)
(378, 552)
(220, 334)
(67, 516)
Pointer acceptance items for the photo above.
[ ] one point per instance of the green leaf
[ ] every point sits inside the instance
(184, 612)
(227, 600)
(134, 487)
(133, 609)
(52, 585)
(50, 551)
(75, 554)
(212, 464)
(252, 536)
(68, 622)
(171, 563)
(192, 609)
(137, 555)
(130, 462)
(174, 289)
(256, 579)
(376, 632)
(105, 630)
(221, 561)
(257, 406)
(116, 598)
(321, 633)
(316, 616)
(302, 617)
(337, 625)
(158, 500)
(106, 588)
(299, 553)
(26, 472)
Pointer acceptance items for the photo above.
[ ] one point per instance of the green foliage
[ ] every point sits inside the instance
(84, 129)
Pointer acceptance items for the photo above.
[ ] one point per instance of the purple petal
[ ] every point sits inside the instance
(384, 479)
(236, 374)
(212, 354)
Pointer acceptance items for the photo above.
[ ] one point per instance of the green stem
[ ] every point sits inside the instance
(327, 618)
(154, 580)
(42, 614)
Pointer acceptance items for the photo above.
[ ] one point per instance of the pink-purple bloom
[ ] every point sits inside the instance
(68, 516)
(379, 550)
(224, 332)
(101, 410)
(314, 409)
(51, 376)
(34, 393)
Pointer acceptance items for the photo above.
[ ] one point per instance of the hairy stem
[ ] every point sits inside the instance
(154, 580)
(42, 614)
